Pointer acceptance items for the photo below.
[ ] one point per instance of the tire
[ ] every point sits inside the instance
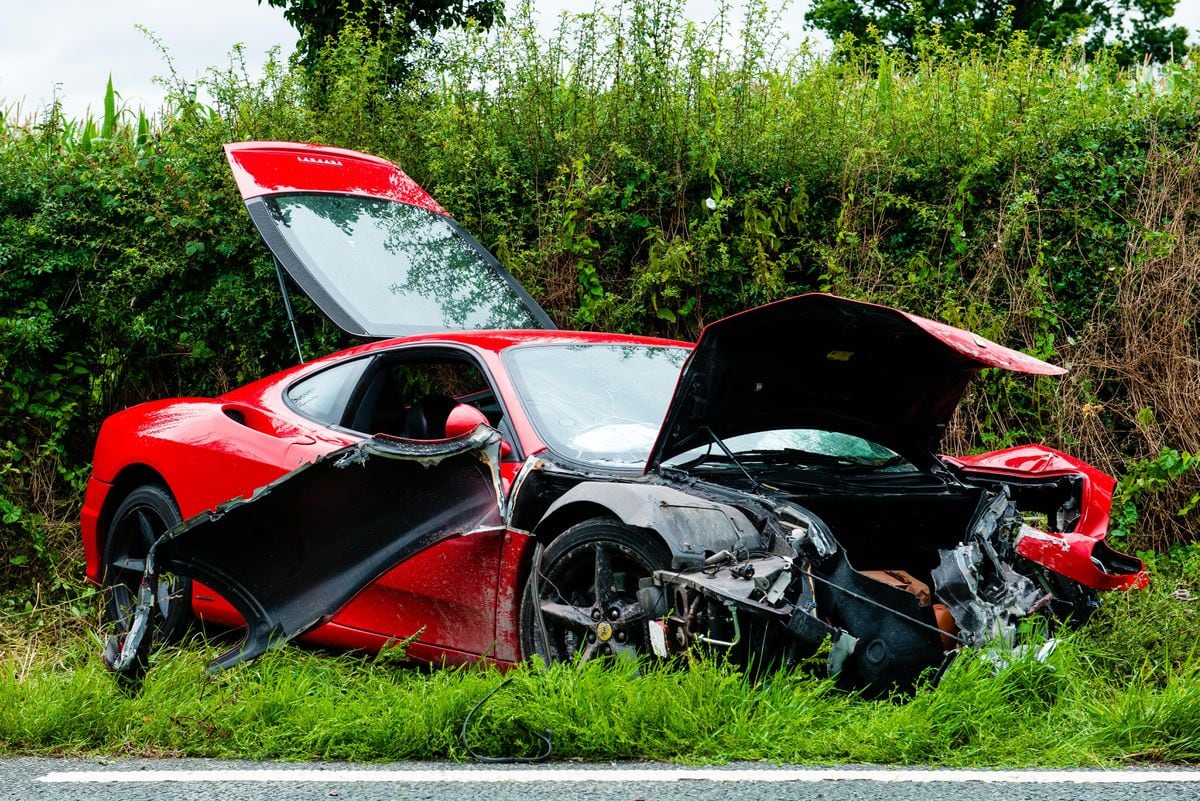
(580, 623)
(144, 516)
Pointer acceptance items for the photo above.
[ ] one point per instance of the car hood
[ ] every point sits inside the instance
(824, 362)
(372, 249)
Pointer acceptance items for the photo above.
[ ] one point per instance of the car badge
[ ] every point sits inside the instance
(316, 160)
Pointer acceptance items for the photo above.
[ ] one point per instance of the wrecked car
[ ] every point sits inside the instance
(482, 486)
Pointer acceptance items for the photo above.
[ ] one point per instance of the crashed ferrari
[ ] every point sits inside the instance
(481, 486)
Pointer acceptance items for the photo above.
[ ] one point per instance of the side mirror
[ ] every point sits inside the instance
(463, 419)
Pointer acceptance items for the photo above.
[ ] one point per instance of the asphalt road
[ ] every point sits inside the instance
(156, 780)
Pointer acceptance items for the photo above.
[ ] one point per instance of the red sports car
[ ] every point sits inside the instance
(482, 485)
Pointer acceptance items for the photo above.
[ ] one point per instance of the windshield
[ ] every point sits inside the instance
(382, 268)
(599, 404)
(799, 447)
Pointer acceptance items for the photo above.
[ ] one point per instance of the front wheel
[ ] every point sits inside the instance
(145, 515)
(586, 593)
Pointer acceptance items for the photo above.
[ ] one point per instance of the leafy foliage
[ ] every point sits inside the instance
(638, 174)
(1149, 477)
(402, 27)
(1139, 26)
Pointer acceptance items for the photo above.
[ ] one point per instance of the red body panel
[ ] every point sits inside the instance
(448, 593)
(1071, 554)
(461, 596)
(267, 168)
(202, 455)
(89, 526)
(984, 351)
(1038, 460)
(980, 349)
(514, 570)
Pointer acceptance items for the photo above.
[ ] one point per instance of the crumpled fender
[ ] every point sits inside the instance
(1082, 558)
(1038, 461)
(690, 526)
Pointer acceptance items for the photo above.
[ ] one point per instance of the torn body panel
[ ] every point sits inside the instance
(300, 548)
(1083, 559)
(984, 593)
(1065, 503)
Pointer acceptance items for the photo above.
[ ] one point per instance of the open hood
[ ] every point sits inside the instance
(824, 362)
(371, 248)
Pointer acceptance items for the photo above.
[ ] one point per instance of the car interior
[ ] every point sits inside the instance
(413, 398)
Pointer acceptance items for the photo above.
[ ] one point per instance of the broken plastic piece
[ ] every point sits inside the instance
(843, 646)
(658, 638)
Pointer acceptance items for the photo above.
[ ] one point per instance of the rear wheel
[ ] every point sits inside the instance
(586, 593)
(144, 516)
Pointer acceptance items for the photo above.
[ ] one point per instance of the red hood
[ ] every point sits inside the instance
(820, 361)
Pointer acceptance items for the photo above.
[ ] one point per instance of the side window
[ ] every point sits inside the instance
(323, 396)
(413, 397)
(457, 379)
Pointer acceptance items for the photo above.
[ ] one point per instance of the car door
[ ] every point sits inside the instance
(444, 597)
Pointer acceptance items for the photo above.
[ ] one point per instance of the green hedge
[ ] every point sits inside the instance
(638, 175)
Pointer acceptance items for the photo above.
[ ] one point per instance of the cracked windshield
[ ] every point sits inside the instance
(800, 447)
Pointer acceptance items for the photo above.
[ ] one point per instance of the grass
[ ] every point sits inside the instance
(1124, 689)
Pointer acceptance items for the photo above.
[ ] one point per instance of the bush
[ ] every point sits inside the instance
(639, 174)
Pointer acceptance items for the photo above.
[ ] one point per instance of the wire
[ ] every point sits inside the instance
(534, 589)
(545, 737)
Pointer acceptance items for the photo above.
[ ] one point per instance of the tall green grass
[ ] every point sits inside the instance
(52, 128)
(1124, 689)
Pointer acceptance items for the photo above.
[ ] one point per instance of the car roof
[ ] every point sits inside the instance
(484, 342)
(497, 341)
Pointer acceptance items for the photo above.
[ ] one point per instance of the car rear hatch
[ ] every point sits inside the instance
(372, 249)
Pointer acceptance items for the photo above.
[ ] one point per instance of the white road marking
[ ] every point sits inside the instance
(609, 776)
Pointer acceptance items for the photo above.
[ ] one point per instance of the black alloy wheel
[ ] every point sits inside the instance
(587, 593)
(144, 516)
